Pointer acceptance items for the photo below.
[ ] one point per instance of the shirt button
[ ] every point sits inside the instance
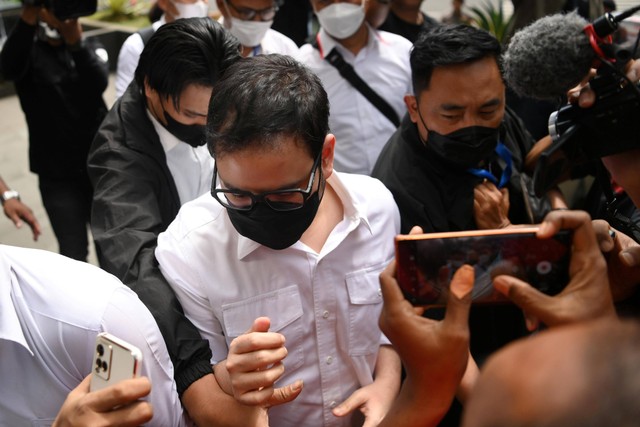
(329, 360)
(325, 314)
(333, 404)
(379, 292)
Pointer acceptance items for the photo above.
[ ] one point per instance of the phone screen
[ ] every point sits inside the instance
(426, 263)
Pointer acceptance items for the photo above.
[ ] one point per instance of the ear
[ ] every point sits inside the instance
(412, 107)
(327, 155)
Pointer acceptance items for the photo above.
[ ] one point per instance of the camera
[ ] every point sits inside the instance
(610, 126)
(66, 9)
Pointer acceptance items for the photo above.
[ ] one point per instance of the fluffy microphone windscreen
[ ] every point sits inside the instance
(550, 56)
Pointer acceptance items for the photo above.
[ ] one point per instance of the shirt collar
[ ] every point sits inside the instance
(167, 139)
(354, 212)
(326, 42)
(10, 328)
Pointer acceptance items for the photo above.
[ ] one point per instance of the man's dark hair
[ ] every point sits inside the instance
(445, 45)
(259, 100)
(185, 52)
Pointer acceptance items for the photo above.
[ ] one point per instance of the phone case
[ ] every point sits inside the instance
(114, 360)
(426, 262)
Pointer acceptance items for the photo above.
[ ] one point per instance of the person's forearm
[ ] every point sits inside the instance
(556, 198)
(208, 405)
(388, 368)
(414, 407)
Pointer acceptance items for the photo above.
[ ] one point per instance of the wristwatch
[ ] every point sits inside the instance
(9, 194)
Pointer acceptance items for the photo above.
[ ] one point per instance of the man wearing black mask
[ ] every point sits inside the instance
(148, 158)
(286, 248)
(456, 162)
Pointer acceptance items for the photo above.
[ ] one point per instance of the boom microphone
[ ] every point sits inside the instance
(548, 57)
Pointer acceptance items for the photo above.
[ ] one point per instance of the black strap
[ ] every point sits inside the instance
(146, 34)
(346, 70)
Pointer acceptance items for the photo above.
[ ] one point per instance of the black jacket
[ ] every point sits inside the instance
(433, 194)
(60, 91)
(135, 199)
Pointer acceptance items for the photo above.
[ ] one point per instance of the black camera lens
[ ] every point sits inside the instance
(100, 350)
(104, 366)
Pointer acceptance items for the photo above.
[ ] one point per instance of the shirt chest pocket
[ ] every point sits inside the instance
(365, 303)
(283, 307)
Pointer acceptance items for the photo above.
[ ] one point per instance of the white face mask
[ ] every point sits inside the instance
(198, 9)
(249, 33)
(341, 20)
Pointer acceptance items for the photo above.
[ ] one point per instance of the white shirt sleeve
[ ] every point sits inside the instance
(127, 62)
(187, 285)
(127, 318)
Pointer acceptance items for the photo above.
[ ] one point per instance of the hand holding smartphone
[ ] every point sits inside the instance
(426, 262)
(114, 360)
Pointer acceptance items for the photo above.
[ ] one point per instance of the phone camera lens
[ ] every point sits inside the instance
(543, 267)
(100, 350)
(104, 366)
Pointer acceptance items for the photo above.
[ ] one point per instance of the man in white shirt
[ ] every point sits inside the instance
(147, 159)
(250, 21)
(51, 309)
(286, 237)
(134, 44)
(381, 59)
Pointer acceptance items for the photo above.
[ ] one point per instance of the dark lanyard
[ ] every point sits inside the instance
(505, 155)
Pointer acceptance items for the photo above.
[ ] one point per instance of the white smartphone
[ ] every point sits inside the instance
(114, 360)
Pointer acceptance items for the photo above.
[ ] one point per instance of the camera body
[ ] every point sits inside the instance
(610, 126)
(66, 9)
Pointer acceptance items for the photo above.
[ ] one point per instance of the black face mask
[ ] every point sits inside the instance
(275, 229)
(465, 147)
(194, 135)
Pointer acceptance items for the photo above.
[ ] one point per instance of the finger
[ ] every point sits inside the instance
(256, 341)
(254, 379)
(630, 257)
(579, 221)
(286, 394)
(391, 293)
(261, 324)
(587, 97)
(122, 393)
(16, 220)
(531, 321)
(353, 402)
(132, 415)
(459, 300)
(525, 296)
(416, 229)
(601, 229)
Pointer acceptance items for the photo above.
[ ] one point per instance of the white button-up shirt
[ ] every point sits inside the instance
(325, 304)
(190, 167)
(51, 309)
(361, 130)
(128, 58)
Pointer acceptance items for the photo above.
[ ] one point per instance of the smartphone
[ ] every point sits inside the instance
(426, 262)
(114, 360)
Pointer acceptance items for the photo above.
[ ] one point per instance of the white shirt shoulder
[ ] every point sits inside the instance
(276, 42)
(56, 308)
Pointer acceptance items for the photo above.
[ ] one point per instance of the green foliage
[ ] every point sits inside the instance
(128, 12)
(492, 18)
